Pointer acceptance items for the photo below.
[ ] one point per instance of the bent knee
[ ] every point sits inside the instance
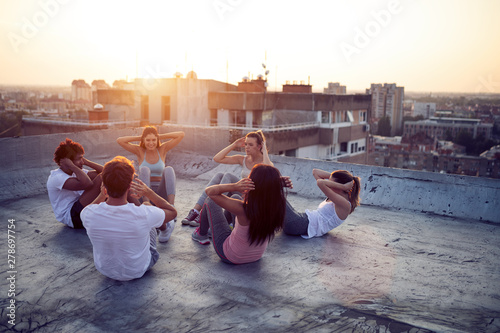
(168, 170)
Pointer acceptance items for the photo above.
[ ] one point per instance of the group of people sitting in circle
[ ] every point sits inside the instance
(125, 210)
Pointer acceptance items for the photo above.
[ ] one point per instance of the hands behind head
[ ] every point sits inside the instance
(286, 182)
(264, 146)
(66, 163)
(348, 186)
(138, 189)
(244, 185)
(240, 142)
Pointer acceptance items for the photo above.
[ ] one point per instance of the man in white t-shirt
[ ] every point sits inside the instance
(70, 187)
(123, 235)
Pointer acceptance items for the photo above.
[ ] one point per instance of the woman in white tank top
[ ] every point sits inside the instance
(342, 191)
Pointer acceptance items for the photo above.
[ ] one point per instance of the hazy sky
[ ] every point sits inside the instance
(423, 45)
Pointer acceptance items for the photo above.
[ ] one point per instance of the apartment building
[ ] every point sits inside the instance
(335, 88)
(296, 121)
(80, 91)
(442, 127)
(387, 101)
(177, 100)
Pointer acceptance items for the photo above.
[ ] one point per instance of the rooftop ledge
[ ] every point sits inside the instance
(420, 255)
(26, 162)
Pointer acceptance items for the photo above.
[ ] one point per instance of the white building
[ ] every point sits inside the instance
(80, 91)
(427, 110)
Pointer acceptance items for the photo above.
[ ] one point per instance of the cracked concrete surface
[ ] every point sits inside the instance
(381, 271)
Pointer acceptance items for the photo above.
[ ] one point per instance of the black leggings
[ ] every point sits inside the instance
(296, 223)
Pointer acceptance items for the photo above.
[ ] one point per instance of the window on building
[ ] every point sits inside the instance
(325, 117)
(362, 116)
(343, 147)
(350, 117)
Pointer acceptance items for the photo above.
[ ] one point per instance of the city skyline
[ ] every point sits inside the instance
(445, 46)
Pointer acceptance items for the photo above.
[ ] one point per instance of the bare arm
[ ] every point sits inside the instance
(96, 166)
(321, 174)
(342, 205)
(103, 195)
(265, 154)
(124, 141)
(139, 189)
(82, 180)
(175, 139)
(235, 206)
(221, 157)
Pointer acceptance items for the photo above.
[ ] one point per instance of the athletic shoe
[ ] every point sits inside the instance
(192, 215)
(164, 235)
(209, 233)
(196, 221)
(203, 240)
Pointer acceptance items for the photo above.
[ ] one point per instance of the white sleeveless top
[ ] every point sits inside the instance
(244, 170)
(322, 220)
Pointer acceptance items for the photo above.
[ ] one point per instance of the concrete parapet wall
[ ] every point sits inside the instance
(27, 161)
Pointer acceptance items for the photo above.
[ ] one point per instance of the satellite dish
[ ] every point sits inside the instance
(267, 72)
(263, 65)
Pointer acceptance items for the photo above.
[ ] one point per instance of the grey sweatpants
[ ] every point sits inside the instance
(167, 184)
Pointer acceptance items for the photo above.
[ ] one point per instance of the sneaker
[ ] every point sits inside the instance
(209, 233)
(203, 240)
(196, 221)
(164, 235)
(190, 218)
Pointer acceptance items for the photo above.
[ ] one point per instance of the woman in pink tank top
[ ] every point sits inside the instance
(259, 215)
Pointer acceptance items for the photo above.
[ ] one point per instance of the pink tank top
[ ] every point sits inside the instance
(238, 249)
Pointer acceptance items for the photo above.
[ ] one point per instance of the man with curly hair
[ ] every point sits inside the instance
(70, 187)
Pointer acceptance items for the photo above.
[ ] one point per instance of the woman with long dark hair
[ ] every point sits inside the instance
(259, 215)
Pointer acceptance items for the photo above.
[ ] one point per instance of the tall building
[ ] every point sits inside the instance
(387, 100)
(334, 88)
(80, 91)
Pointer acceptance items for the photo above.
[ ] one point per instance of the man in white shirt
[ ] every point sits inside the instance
(123, 235)
(70, 187)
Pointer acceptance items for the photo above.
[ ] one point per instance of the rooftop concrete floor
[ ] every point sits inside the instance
(382, 271)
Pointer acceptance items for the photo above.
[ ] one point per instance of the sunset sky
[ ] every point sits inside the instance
(423, 45)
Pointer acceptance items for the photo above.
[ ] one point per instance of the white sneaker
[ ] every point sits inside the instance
(164, 235)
